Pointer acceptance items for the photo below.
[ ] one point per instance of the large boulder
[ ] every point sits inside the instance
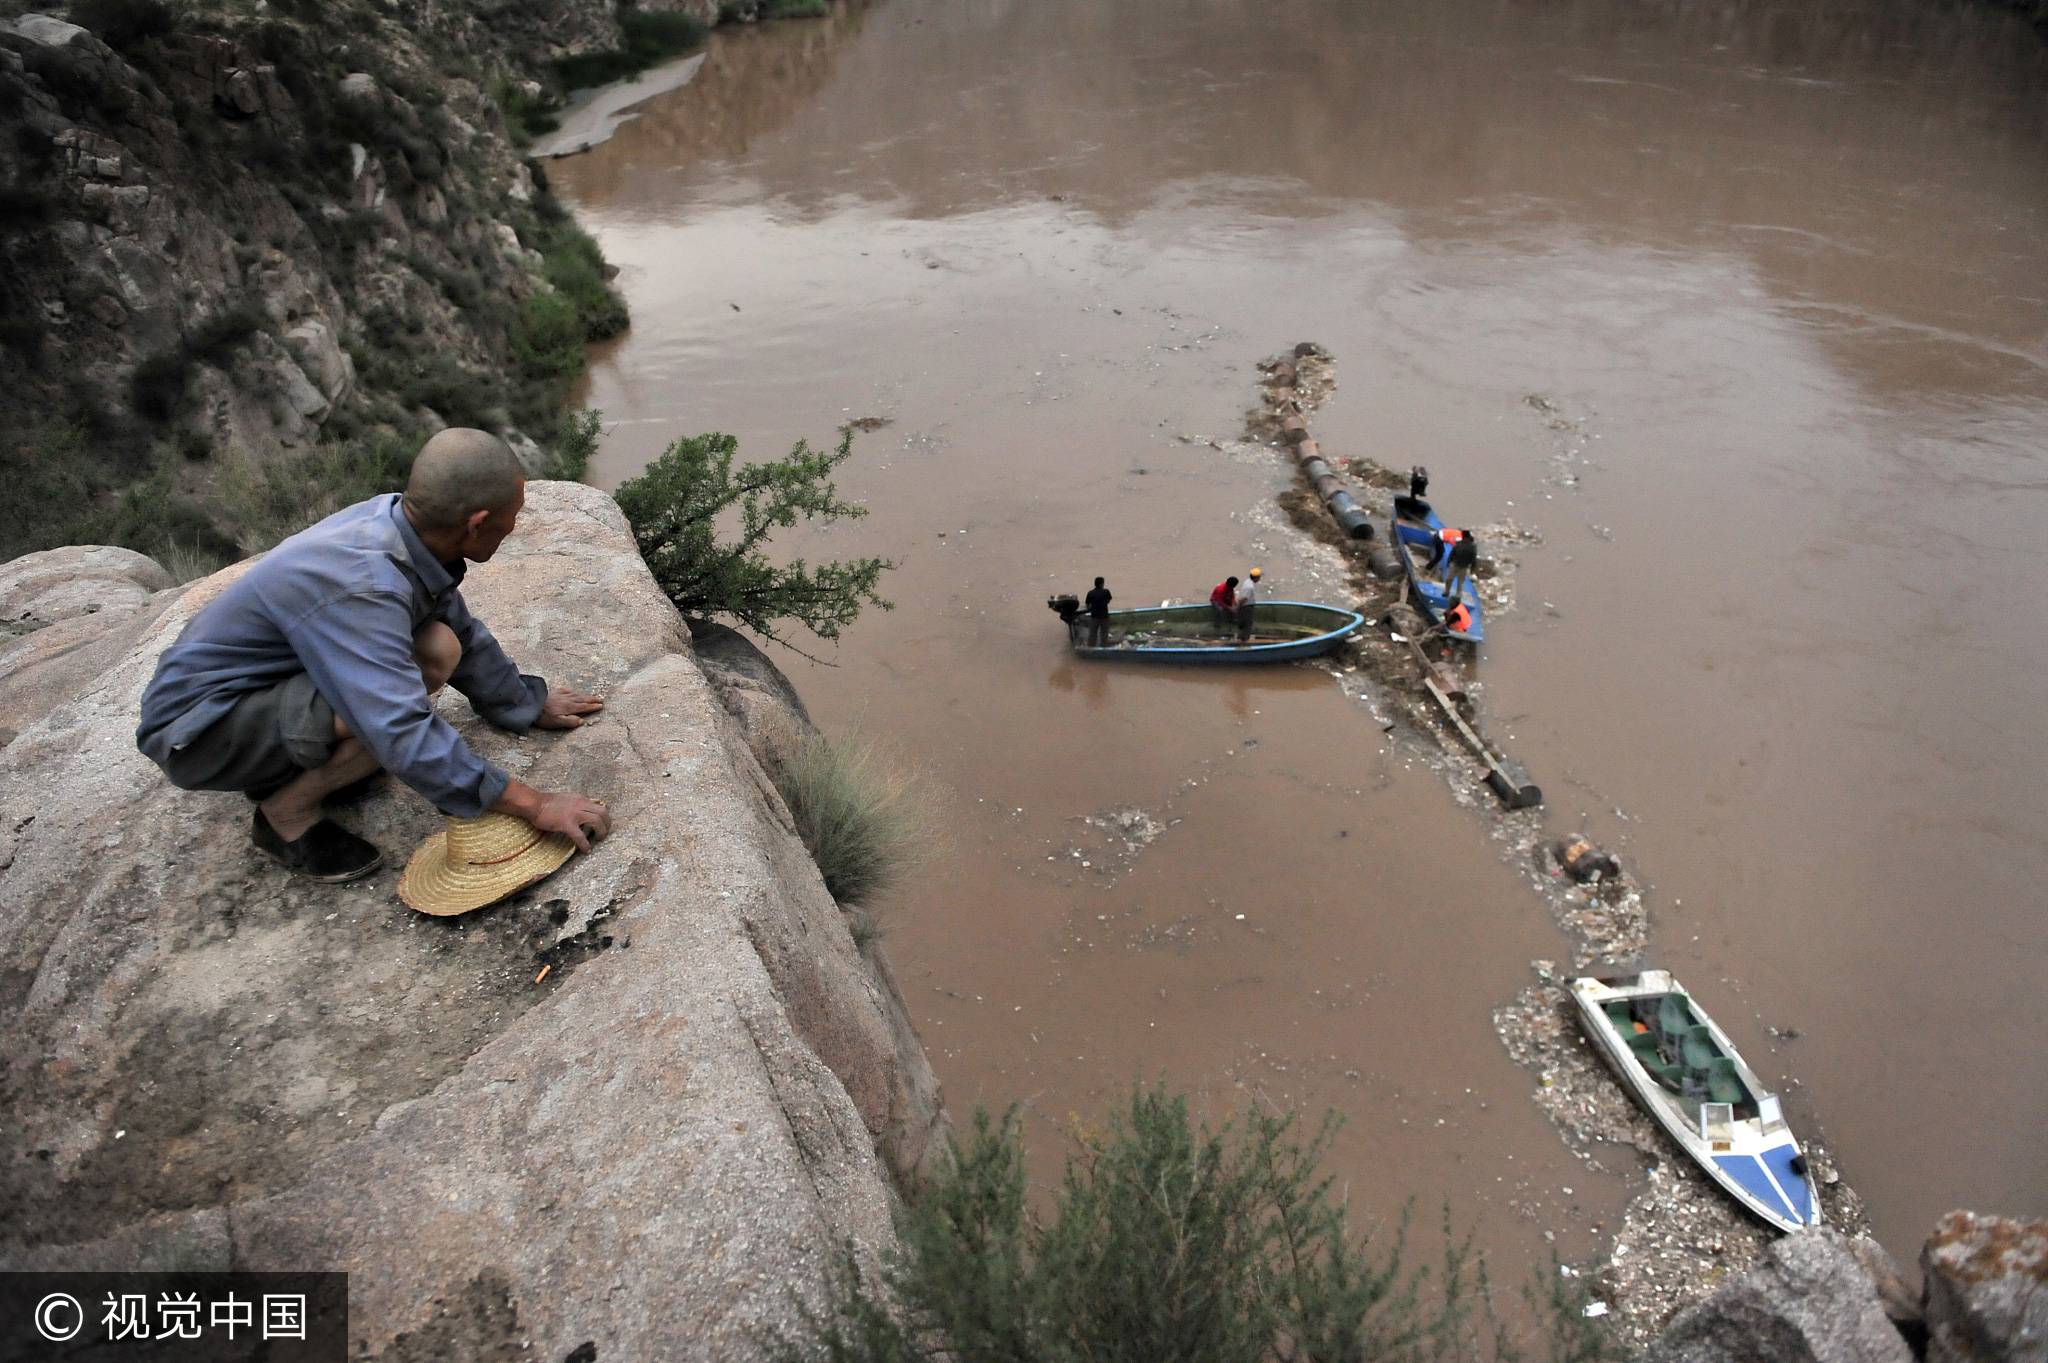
(42, 670)
(1811, 1300)
(79, 579)
(636, 1107)
(1987, 1290)
(771, 715)
(44, 30)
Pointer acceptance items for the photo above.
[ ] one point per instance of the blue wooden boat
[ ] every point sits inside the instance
(1414, 526)
(1285, 631)
(1685, 1072)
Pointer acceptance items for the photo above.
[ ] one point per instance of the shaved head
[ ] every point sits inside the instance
(458, 473)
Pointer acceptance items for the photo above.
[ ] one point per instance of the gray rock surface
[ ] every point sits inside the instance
(319, 354)
(37, 590)
(770, 714)
(653, 1147)
(1811, 1300)
(45, 30)
(1987, 1290)
(39, 671)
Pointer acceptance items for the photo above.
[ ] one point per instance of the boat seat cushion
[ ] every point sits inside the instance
(1723, 1084)
(1699, 1049)
(1674, 1019)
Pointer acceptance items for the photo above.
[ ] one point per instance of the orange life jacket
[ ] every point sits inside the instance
(1458, 618)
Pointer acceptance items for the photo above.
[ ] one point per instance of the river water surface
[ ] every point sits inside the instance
(1741, 307)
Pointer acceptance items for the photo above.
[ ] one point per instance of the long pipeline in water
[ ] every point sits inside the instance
(1337, 499)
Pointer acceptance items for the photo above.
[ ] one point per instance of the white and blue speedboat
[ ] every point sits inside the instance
(1686, 1072)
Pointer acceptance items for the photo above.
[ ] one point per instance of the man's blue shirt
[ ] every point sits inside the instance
(341, 601)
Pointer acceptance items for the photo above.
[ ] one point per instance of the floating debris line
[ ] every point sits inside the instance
(1680, 1235)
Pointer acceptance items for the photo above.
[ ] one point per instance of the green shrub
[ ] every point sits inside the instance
(795, 9)
(576, 438)
(575, 266)
(157, 386)
(651, 37)
(216, 340)
(459, 395)
(547, 339)
(265, 501)
(858, 812)
(465, 288)
(1165, 1241)
(528, 116)
(61, 493)
(553, 325)
(675, 508)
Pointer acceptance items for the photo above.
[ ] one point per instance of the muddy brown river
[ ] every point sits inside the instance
(1740, 309)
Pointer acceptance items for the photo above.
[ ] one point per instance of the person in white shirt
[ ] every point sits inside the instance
(1247, 605)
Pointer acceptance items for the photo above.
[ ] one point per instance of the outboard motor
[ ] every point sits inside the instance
(1067, 607)
(1412, 507)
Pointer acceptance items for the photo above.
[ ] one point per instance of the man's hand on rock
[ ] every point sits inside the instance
(566, 709)
(576, 817)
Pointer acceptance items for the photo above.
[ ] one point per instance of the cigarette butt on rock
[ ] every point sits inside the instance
(543, 973)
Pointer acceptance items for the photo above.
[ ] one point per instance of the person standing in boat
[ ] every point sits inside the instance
(1458, 565)
(1247, 605)
(1222, 603)
(1098, 615)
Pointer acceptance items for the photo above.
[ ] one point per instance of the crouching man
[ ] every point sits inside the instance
(319, 665)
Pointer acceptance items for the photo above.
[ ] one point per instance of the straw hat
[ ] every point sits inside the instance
(474, 862)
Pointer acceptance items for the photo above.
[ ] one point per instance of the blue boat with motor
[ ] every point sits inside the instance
(1417, 532)
(1685, 1072)
(1284, 631)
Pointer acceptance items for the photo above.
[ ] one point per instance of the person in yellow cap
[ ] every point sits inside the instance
(1248, 605)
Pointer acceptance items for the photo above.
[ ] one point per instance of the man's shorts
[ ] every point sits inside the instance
(265, 742)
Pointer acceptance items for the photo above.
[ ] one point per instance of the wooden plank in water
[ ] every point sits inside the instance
(1503, 776)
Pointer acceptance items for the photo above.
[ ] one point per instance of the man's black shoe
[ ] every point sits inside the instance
(327, 851)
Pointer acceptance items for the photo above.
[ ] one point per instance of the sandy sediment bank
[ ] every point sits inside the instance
(591, 121)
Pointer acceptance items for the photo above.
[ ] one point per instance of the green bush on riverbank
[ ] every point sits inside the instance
(1164, 1241)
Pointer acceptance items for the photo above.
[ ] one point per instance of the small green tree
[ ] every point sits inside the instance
(675, 508)
(1167, 1243)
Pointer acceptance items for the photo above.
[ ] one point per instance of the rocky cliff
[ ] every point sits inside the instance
(250, 254)
(653, 1146)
